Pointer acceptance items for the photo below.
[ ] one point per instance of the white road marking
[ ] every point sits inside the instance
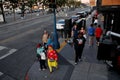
(2, 47)
(1, 73)
(9, 53)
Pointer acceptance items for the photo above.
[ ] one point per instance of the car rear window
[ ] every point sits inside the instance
(62, 22)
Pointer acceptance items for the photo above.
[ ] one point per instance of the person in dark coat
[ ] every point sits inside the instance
(75, 31)
(79, 43)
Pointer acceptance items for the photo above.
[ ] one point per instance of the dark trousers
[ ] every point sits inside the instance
(78, 53)
(42, 64)
(98, 39)
(67, 33)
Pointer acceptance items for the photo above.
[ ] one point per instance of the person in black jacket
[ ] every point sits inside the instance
(79, 43)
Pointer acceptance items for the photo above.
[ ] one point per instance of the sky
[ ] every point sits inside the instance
(85, 1)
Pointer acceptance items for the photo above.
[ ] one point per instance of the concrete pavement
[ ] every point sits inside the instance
(88, 69)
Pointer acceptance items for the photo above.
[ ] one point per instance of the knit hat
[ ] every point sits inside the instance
(50, 46)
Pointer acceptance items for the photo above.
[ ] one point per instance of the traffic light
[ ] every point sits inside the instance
(52, 4)
(51, 1)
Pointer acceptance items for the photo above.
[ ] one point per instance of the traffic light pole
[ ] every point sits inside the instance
(55, 35)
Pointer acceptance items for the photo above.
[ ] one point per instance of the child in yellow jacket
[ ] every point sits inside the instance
(52, 58)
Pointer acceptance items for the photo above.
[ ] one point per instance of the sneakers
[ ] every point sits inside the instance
(79, 60)
(76, 63)
(42, 69)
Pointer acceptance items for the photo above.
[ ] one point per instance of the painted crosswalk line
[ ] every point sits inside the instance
(2, 47)
(1, 73)
(10, 51)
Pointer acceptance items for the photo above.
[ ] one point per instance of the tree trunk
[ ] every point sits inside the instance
(14, 14)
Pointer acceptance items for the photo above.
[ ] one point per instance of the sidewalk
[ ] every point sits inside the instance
(89, 69)
(19, 20)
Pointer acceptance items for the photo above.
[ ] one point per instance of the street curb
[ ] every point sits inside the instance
(24, 20)
(62, 44)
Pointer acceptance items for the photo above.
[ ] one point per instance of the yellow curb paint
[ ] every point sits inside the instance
(61, 46)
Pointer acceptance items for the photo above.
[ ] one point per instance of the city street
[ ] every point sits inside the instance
(18, 53)
(18, 41)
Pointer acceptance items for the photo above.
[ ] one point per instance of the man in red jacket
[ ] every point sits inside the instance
(98, 33)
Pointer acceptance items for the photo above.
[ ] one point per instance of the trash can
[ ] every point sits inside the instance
(117, 60)
(106, 50)
(67, 28)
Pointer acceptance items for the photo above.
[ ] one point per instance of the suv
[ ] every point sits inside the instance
(60, 24)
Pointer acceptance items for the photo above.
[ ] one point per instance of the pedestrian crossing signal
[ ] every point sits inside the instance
(51, 1)
(52, 5)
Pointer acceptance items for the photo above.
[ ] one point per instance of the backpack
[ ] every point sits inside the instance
(39, 52)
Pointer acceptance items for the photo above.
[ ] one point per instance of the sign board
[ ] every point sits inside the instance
(110, 2)
(92, 2)
(1, 18)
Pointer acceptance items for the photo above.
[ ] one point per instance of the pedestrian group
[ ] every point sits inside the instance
(79, 36)
(46, 51)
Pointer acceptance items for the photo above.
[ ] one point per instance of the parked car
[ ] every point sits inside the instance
(60, 24)
(75, 18)
(82, 14)
(81, 23)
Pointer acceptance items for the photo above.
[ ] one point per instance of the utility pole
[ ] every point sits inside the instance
(52, 4)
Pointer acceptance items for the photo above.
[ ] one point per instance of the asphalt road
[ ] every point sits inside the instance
(18, 45)
(19, 41)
